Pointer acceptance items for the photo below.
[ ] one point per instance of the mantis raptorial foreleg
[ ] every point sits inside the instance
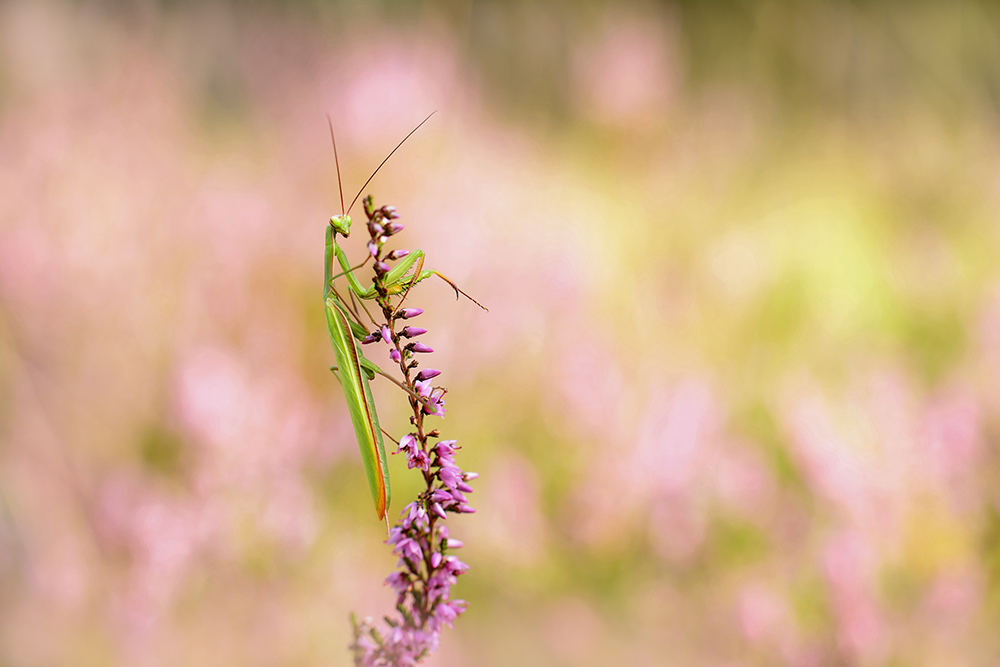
(397, 280)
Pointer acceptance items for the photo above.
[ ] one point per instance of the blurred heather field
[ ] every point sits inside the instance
(736, 403)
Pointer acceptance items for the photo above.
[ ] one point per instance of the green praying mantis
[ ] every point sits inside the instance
(347, 330)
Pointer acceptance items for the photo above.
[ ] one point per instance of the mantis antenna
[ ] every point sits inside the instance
(336, 161)
(383, 162)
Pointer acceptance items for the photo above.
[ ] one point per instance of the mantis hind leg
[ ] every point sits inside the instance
(455, 287)
(400, 283)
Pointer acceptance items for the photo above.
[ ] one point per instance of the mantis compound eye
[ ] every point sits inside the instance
(341, 224)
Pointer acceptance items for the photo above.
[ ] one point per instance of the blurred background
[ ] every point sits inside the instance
(736, 402)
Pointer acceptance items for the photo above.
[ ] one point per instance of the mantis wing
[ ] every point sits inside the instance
(370, 369)
(354, 380)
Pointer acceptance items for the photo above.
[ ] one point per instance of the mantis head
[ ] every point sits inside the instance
(341, 224)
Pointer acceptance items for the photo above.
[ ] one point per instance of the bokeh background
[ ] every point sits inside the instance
(736, 402)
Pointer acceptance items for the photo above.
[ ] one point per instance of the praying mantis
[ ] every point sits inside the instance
(347, 331)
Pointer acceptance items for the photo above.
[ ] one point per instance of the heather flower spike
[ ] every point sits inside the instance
(420, 539)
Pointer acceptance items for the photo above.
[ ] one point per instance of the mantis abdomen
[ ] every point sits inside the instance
(360, 404)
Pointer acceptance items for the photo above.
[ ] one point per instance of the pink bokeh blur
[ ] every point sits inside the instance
(735, 401)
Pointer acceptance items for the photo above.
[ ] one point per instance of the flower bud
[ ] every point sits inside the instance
(428, 373)
(398, 254)
(393, 228)
(446, 447)
(407, 313)
(381, 268)
(370, 338)
(441, 496)
(394, 355)
(419, 347)
(372, 248)
(410, 332)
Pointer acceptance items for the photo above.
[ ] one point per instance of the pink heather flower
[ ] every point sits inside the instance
(447, 612)
(415, 456)
(458, 497)
(420, 540)
(395, 535)
(445, 448)
(419, 460)
(410, 549)
(409, 444)
(436, 400)
(455, 566)
(416, 515)
(449, 477)
(441, 496)
(435, 397)
(399, 581)
(410, 332)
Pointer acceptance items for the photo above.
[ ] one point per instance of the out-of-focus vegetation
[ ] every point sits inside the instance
(735, 402)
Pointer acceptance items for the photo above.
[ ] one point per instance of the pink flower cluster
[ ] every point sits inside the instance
(422, 543)
(427, 569)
